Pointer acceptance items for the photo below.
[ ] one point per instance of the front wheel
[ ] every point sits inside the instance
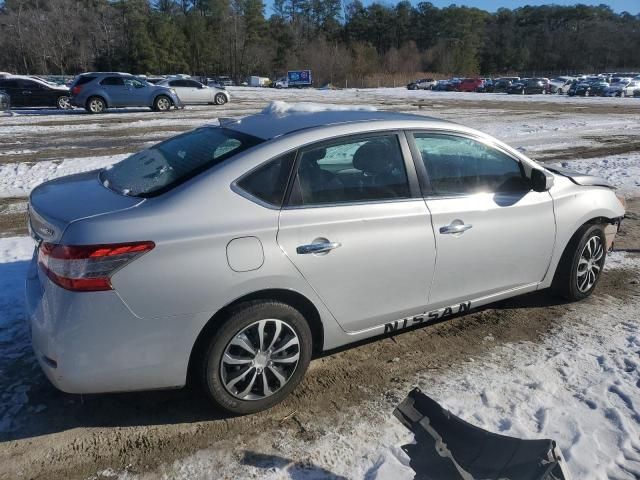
(581, 264)
(220, 99)
(162, 103)
(63, 103)
(256, 357)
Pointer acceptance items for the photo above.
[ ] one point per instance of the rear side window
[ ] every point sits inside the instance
(110, 81)
(269, 182)
(83, 79)
(166, 165)
(463, 166)
(353, 170)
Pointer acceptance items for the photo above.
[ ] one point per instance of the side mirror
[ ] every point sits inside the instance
(541, 181)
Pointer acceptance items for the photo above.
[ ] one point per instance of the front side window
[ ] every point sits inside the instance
(133, 82)
(174, 161)
(463, 166)
(355, 170)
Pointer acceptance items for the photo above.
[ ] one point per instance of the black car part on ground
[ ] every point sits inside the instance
(448, 448)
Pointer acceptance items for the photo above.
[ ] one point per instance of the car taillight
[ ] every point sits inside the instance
(76, 90)
(87, 268)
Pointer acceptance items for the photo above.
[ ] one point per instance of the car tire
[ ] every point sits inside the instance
(162, 103)
(281, 325)
(581, 264)
(96, 105)
(220, 99)
(63, 102)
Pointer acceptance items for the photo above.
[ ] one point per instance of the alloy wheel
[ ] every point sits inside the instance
(64, 103)
(163, 104)
(260, 359)
(590, 264)
(96, 105)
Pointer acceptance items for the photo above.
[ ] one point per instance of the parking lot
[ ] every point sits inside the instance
(338, 421)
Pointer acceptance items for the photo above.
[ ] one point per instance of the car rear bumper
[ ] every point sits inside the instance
(90, 342)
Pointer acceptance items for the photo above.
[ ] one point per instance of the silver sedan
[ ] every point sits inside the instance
(192, 92)
(239, 251)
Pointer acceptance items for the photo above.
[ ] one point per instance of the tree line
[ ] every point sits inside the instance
(340, 41)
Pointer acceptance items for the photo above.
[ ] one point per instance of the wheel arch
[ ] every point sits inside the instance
(290, 297)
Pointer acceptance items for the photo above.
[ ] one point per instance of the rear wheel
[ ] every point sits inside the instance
(581, 264)
(63, 102)
(96, 105)
(162, 103)
(256, 357)
(220, 99)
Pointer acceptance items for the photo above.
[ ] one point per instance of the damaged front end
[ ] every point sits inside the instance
(448, 448)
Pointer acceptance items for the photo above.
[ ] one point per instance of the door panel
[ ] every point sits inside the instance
(509, 244)
(383, 267)
(356, 234)
(492, 232)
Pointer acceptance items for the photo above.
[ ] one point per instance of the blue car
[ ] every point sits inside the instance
(98, 91)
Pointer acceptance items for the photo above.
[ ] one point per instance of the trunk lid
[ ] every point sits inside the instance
(57, 203)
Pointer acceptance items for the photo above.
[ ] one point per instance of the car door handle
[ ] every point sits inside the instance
(455, 227)
(26, 92)
(318, 247)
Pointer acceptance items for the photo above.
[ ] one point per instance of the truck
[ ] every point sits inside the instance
(255, 81)
(295, 78)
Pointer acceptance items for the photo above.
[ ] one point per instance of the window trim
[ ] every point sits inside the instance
(423, 176)
(412, 176)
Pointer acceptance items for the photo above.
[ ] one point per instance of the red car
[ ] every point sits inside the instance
(470, 84)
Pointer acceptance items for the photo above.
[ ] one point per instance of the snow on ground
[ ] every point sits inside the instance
(579, 386)
(14, 337)
(622, 171)
(18, 179)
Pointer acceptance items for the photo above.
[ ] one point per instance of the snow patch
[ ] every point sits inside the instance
(279, 107)
(18, 179)
(622, 171)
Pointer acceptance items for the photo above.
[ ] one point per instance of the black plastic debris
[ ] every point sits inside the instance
(448, 448)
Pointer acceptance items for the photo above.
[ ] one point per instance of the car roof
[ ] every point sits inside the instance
(271, 125)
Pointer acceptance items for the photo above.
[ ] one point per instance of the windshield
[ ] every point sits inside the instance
(166, 165)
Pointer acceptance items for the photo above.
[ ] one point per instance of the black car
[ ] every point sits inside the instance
(502, 85)
(528, 87)
(32, 92)
(487, 86)
(580, 89)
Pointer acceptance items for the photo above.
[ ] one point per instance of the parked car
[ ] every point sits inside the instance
(616, 87)
(239, 251)
(560, 85)
(487, 86)
(98, 91)
(441, 86)
(470, 84)
(422, 84)
(502, 85)
(26, 91)
(528, 86)
(223, 81)
(192, 92)
(583, 88)
(5, 101)
(598, 88)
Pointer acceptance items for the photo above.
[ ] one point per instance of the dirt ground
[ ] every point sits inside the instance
(70, 436)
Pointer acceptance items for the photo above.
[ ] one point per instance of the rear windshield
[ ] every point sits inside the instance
(166, 165)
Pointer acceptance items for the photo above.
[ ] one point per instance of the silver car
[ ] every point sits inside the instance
(239, 251)
(192, 92)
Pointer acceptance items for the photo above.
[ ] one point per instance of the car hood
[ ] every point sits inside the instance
(581, 178)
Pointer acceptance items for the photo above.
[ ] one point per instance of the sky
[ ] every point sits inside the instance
(631, 6)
